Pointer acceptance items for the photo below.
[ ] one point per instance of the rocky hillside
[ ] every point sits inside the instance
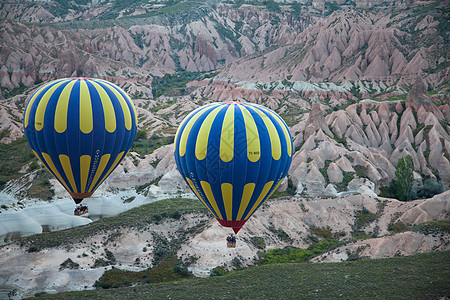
(391, 47)
(359, 89)
(359, 226)
(131, 44)
(348, 132)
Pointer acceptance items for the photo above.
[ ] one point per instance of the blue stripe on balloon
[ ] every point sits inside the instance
(47, 138)
(240, 160)
(218, 172)
(111, 145)
(182, 165)
(196, 170)
(265, 161)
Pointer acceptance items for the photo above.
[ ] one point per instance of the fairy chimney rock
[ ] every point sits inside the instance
(418, 95)
(316, 120)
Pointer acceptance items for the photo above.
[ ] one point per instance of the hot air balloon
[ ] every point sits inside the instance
(233, 155)
(80, 129)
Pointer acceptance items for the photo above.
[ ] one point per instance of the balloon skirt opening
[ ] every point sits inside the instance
(236, 225)
(78, 197)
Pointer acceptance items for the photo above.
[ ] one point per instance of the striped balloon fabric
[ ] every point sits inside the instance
(233, 155)
(80, 129)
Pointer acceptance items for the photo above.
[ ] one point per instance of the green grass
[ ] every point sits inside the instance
(40, 186)
(295, 255)
(169, 269)
(422, 276)
(14, 156)
(139, 217)
(433, 227)
(174, 83)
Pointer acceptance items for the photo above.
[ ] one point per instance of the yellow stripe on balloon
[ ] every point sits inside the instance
(227, 196)
(49, 162)
(201, 145)
(182, 123)
(123, 103)
(108, 108)
(101, 167)
(282, 125)
(113, 166)
(42, 106)
(261, 197)
(227, 135)
(134, 109)
(273, 134)
(38, 157)
(85, 163)
(30, 103)
(253, 143)
(246, 196)
(65, 163)
(187, 129)
(86, 118)
(62, 107)
(209, 194)
(191, 184)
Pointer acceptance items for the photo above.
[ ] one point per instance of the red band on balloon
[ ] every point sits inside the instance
(236, 225)
(80, 195)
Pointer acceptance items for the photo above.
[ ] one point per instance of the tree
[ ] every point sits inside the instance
(404, 174)
(430, 188)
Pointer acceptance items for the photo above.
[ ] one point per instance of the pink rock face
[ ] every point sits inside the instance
(377, 148)
(340, 58)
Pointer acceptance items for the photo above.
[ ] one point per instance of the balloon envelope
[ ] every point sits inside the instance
(80, 129)
(233, 156)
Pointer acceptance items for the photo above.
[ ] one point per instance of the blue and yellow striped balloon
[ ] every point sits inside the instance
(233, 155)
(80, 129)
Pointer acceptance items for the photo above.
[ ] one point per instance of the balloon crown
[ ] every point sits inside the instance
(234, 102)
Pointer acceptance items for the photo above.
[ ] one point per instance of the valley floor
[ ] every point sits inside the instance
(421, 276)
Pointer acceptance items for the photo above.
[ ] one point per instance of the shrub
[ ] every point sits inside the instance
(218, 271)
(175, 215)
(397, 227)
(100, 262)
(285, 255)
(236, 262)
(33, 166)
(103, 285)
(430, 188)
(258, 242)
(110, 257)
(432, 227)
(2, 183)
(33, 249)
(182, 271)
(157, 217)
(281, 234)
(323, 246)
(68, 264)
(322, 232)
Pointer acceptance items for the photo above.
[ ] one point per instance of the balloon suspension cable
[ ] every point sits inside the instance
(236, 225)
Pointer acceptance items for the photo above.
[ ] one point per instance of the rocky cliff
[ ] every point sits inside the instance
(132, 44)
(392, 47)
